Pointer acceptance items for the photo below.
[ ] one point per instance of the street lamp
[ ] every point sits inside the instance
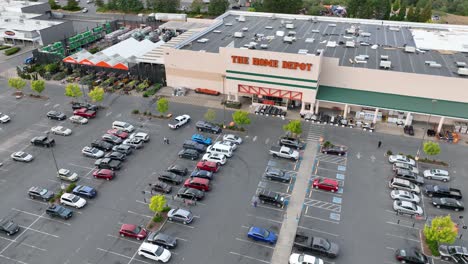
(224, 104)
(62, 186)
(433, 102)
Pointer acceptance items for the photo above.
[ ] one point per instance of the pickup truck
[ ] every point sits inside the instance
(78, 105)
(108, 163)
(84, 112)
(284, 152)
(442, 191)
(316, 245)
(43, 141)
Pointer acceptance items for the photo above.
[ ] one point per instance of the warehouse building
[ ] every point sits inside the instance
(380, 71)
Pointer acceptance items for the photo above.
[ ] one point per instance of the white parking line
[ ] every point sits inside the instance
(41, 216)
(46, 104)
(266, 219)
(56, 105)
(325, 220)
(148, 216)
(138, 201)
(252, 242)
(28, 245)
(392, 223)
(402, 237)
(183, 239)
(121, 255)
(318, 231)
(180, 224)
(38, 231)
(12, 259)
(89, 168)
(122, 238)
(18, 236)
(252, 258)
(270, 208)
(390, 248)
(108, 113)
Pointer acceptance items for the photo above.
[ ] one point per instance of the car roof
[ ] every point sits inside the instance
(406, 203)
(208, 163)
(68, 195)
(329, 181)
(129, 227)
(199, 180)
(149, 246)
(401, 181)
(181, 211)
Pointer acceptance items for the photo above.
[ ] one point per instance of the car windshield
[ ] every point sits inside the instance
(75, 199)
(43, 192)
(22, 155)
(137, 230)
(265, 233)
(94, 151)
(60, 210)
(159, 251)
(325, 244)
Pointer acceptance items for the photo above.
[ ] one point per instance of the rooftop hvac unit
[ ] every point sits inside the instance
(350, 44)
(238, 34)
(319, 52)
(309, 40)
(331, 44)
(289, 39)
(289, 26)
(203, 40)
(460, 64)
(279, 33)
(463, 71)
(228, 24)
(315, 31)
(375, 46)
(410, 49)
(216, 31)
(384, 57)
(268, 27)
(332, 25)
(264, 46)
(241, 19)
(365, 34)
(303, 51)
(363, 56)
(385, 64)
(245, 29)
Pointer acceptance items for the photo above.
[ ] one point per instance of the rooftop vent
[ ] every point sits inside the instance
(434, 64)
(365, 34)
(303, 51)
(350, 44)
(315, 31)
(331, 44)
(241, 19)
(309, 40)
(264, 46)
(216, 31)
(203, 40)
(279, 33)
(289, 26)
(394, 28)
(245, 29)
(228, 24)
(332, 25)
(385, 64)
(268, 27)
(410, 49)
(238, 34)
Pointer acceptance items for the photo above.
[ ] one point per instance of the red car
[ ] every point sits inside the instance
(118, 133)
(208, 166)
(198, 183)
(104, 174)
(325, 184)
(84, 112)
(129, 230)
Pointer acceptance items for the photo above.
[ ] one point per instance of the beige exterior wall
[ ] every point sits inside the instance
(410, 84)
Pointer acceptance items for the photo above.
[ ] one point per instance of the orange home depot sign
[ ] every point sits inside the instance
(292, 65)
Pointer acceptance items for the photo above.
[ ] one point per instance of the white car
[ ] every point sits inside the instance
(154, 252)
(141, 135)
(405, 185)
(405, 196)
(179, 121)
(135, 143)
(4, 118)
(233, 138)
(85, 10)
(405, 207)
(215, 157)
(296, 258)
(398, 165)
(227, 143)
(60, 130)
(72, 200)
(92, 152)
(22, 156)
(401, 159)
(78, 119)
(67, 175)
(436, 174)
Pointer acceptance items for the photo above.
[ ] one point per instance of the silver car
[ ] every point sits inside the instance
(399, 165)
(436, 174)
(405, 196)
(405, 207)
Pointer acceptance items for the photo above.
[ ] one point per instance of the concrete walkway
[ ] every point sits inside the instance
(288, 229)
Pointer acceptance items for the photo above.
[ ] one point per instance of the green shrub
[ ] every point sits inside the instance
(3, 47)
(47, 76)
(145, 94)
(389, 152)
(157, 218)
(166, 209)
(433, 247)
(12, 51)
(59, 76)
(70, 187)
(58, 195)
(150, 225)
(235, 105)
(135, 111)
(327, 144)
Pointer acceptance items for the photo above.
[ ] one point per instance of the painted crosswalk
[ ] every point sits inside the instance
(331, 158)
(323, 205)
(315, 132)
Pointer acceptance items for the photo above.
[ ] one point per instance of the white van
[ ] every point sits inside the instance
(123, 126)
(154, 252)
(220, 149)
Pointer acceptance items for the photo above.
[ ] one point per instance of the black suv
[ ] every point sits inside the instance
(56, 210)
(271, 198)
(102, 145)
(56, 115)
(40, 193)
(124, 149)
(208, 127)
(43, 141)
(8, 226)
(189, 144)
(77, 105)
(170, 177)
(291, 142)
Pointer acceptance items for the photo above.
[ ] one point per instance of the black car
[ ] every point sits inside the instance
(291, 142)
(411, 255)
(40, 193)
(125, 149)
(77, 105)
(114, 140)
(202, 174)
(161, 187)
(190, 193)
(189, 144)
(269, 197)
(177, 169)
(116, 155)
(448, 203)
(274, 174)
(8, 226)
(56, 210)
(409, 175)
(43, 141)
(189, 154)
(409, 130)
(56, 115)
(170, 177)
(334, 150)
(102, 145)
(162, 240)
(208, 127)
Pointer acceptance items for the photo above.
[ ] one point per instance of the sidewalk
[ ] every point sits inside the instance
(288, 229)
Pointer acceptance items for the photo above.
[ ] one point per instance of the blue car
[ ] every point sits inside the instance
(262, 234)
(85, 191)
(202, 139)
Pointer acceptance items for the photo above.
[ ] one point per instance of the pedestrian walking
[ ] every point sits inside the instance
(380, 144)
(165, 140)
(255, 203)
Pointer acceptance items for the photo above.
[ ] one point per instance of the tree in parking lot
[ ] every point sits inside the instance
(441, 230)
(241, 117)
(294, 127)
(431, 148)
(38, 86)
(157, 203)
(17, 83)
(162, 105)
(73, 90)
(210, 115)
(97, 94)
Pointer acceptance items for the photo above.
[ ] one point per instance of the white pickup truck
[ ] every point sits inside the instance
(179, 121)
(284, 152)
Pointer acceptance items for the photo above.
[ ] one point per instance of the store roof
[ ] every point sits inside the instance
(17, 6)
(375, 39)
(130, 47)
(23, 22)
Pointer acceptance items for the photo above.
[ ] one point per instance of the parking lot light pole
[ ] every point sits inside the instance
(433, 102)
(62, 186)
(224, 103)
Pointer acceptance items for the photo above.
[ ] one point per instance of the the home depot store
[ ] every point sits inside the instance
(410, 90)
